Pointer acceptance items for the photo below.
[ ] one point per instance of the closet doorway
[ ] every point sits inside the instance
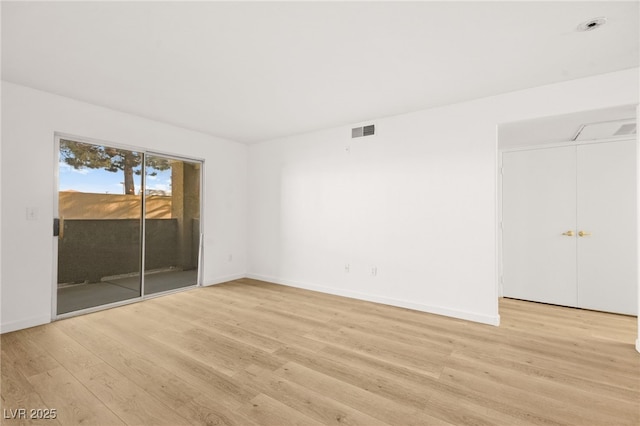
(569, 225)
(128, 225)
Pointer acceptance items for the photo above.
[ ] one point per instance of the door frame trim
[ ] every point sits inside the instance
(562, 144)
(56, 213)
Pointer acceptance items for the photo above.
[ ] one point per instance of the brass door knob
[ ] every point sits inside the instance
(584, 234)
(568, 233)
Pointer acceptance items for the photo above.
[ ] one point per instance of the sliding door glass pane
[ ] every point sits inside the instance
(100, 210)
(172, 223)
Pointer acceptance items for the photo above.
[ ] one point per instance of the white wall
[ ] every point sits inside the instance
(29, 120)
(417, 201)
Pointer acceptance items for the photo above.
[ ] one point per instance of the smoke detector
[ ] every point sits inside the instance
(592, 24)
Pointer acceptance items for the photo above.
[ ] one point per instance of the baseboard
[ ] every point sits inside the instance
(638, 345)
(469, 316)
(224, 279)
(25, 323)
(439, 310)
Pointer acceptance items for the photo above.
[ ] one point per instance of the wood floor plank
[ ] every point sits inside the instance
(461, 408)
(263, 324)
(200, 375)
(253, 353)
(18, 393)
(320, 407)
(264, 410)
(74, 402)
(398, 332)
(589, 356)
(65, 350)
(379, 407)
(127, 400)
(395, 352)
(529, 401)
(223, 353)
(206, 411)
(379, 382)
(406, 387)
(217, 298)
(612, 408)
(159, 382)
(248, 337)
(148, 317)
(26, 356)
(623, 388)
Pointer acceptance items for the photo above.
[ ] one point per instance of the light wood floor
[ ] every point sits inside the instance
(248, 352)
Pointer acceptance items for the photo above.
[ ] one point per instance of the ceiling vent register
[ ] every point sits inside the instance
(626, 129)
(358, 132)
(606, 129)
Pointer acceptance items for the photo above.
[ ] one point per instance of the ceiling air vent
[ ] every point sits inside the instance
(626, 129)
(606, 129)
(358, 132)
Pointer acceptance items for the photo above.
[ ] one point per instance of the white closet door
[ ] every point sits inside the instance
(539, 205)
(606, 200)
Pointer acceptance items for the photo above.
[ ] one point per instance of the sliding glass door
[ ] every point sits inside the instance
(121, 212)
(100, 219)
(172, 223)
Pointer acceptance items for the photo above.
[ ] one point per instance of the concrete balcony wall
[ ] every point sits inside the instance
(90, 250)
(82, 205)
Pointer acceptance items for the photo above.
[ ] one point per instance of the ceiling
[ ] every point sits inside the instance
(255, 71)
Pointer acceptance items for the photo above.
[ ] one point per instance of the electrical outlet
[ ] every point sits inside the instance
(230, 258)
(347, 267)
(374, 271)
